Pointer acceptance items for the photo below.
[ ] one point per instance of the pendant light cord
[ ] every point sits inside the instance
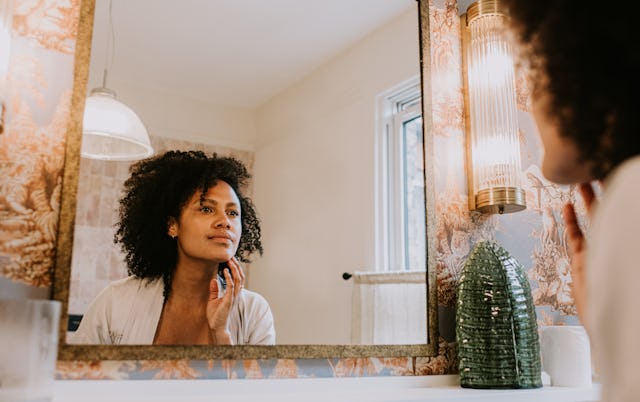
(110, 49)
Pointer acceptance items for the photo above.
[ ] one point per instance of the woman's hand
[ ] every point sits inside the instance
(577, 248)
(218, 308)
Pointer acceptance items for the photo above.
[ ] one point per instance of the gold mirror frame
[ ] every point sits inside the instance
(62, 271)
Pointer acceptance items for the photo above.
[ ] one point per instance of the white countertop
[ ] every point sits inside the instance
(373, 389)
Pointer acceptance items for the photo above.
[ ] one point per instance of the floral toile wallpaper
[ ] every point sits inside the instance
(535, 236)
(31, 158)
(247, 369)
(39, 79)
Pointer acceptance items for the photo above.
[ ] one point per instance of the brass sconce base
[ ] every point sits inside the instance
(501, 200)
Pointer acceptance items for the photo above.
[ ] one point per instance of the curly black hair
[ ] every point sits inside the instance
(157, 190)
(590, 56)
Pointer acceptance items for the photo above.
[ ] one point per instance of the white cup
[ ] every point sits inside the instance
(566, 355)
(28, 349)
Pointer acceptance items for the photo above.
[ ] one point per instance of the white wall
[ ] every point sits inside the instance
(314, 183)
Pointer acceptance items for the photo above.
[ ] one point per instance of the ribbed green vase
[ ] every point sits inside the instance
(496, 329)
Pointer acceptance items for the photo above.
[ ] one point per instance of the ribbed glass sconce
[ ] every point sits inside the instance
(490, 100)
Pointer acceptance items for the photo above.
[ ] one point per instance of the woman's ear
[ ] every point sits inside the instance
(172, 227)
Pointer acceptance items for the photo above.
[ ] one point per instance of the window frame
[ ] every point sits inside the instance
(394, 107)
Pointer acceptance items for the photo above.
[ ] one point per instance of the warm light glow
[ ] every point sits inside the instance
(493, 164)
(6, 13)
(112, 131)
(495, 147)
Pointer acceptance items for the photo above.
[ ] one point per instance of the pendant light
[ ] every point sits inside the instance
(110, 129)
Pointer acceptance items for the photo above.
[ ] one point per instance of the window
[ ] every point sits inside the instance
(400, 205)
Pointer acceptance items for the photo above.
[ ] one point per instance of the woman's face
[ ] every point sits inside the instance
(560, 162)
(209, 230)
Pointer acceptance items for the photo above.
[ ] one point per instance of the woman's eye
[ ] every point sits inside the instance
(206, 210)
(234, 213)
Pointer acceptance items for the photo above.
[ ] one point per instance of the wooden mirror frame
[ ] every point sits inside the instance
(62, 270)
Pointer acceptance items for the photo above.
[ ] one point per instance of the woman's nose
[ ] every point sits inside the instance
(222, 221)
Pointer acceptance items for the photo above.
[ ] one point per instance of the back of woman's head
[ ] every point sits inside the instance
(589, 57)
(157, 190)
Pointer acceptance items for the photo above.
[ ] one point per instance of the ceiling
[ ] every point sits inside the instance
(233, 52)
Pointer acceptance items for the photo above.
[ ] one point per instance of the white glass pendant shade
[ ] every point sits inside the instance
(111, 130)
(495, 146)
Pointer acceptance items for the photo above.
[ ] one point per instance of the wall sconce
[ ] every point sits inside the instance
(493, 147)
(6, 18)
(110, 129)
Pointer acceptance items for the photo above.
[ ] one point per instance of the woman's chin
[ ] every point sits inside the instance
(564, 175)
(222, 257)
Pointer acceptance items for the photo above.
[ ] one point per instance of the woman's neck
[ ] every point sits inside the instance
(191, 281)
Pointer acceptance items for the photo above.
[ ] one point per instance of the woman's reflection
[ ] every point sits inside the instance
(183, 225)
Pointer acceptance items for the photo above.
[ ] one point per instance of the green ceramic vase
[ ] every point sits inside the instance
(496, 329)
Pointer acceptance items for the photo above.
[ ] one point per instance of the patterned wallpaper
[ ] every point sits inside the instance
(249, 369)
(535, 236)
(40, 79)
(31, 154)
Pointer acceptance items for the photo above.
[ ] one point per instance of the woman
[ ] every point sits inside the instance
(183, 225)
(584, 62)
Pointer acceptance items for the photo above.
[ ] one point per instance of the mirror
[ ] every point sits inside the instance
(280, 85)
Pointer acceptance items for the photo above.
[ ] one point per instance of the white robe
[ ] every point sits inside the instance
(127, 312)
(613, 284)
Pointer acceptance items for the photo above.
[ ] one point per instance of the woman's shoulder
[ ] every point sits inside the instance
(253, 299)
(615, 217)
(626, 173)
(134, 284)
(620, 191)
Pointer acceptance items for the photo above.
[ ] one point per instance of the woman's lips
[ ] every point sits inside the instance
(220, 238)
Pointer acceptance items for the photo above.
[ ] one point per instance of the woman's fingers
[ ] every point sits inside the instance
(238, 275)
(230, 284)
(577, 245)
(213, 288)
(574, 233)
(218, 309)
(588, 195)
(239, 269)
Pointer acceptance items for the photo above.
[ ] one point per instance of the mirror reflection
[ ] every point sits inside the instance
(320, 101)
(185, 227)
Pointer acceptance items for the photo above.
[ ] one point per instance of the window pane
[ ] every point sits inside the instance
(414, 218)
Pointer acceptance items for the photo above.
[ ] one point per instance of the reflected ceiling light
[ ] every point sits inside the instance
(6, 14)
(110, 129)
(490, 108)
